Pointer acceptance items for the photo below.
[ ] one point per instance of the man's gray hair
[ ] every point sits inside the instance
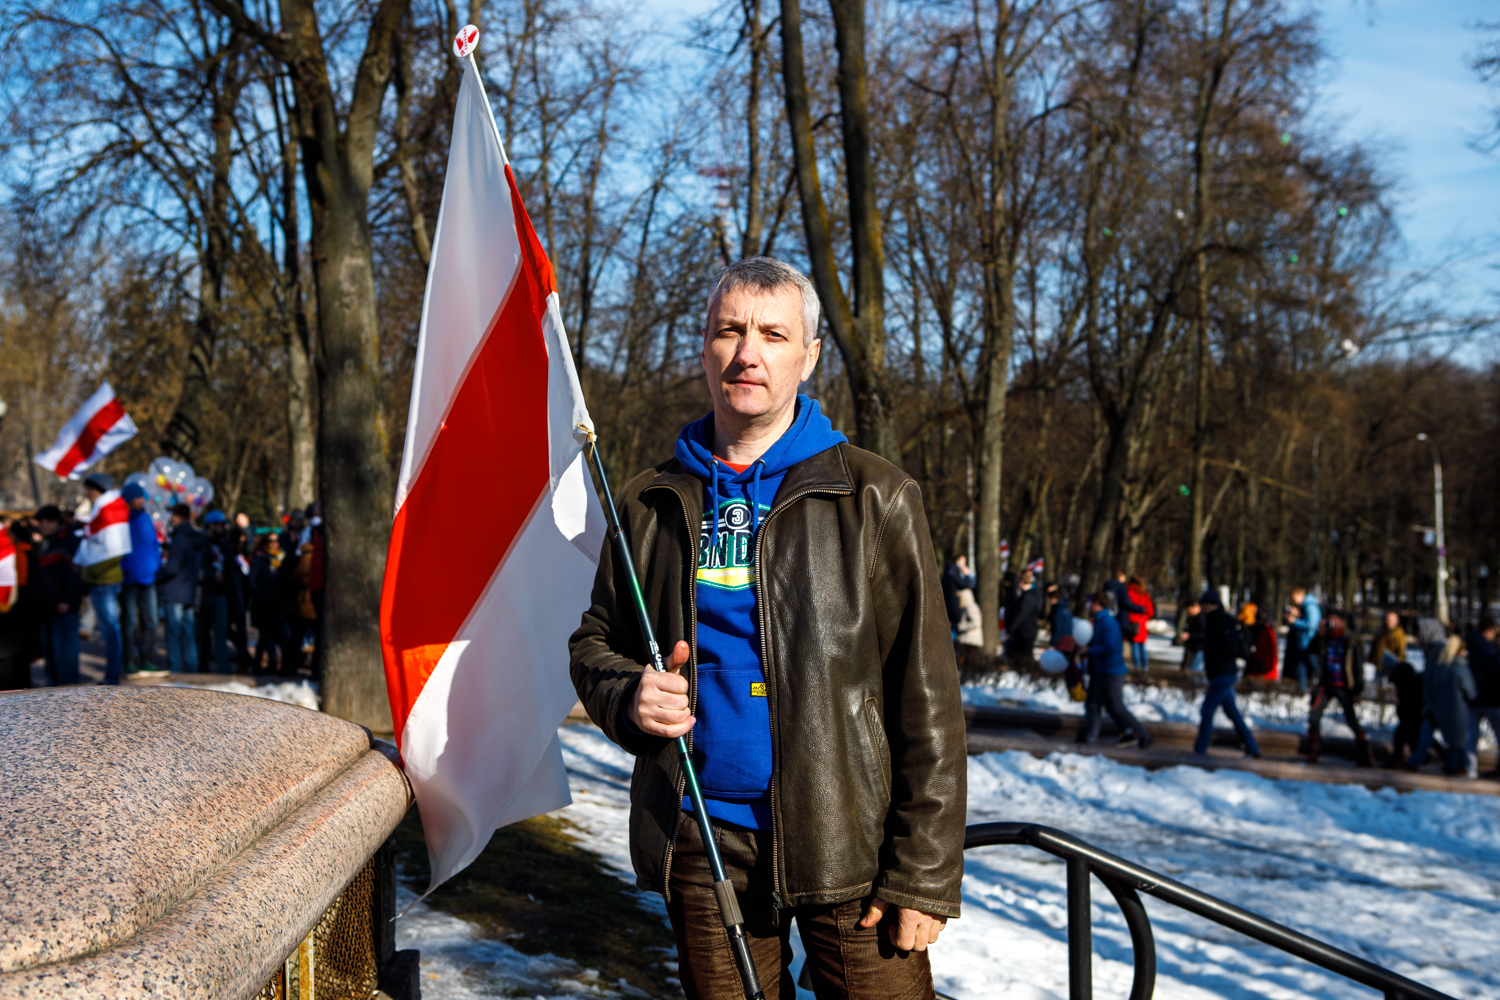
(767, 274)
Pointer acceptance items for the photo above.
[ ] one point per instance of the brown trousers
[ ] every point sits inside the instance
(846, 960)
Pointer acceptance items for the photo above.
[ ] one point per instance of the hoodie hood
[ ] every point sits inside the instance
(810, 434)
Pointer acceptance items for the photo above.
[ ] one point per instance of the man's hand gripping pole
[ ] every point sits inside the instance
(729, 907)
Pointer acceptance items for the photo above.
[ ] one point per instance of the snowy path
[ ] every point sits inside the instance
(1409, 881)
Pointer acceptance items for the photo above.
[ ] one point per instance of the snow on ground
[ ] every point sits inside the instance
(302, 694)
(1411, 882)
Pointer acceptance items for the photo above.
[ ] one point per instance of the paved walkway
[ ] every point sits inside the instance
(1043, 733)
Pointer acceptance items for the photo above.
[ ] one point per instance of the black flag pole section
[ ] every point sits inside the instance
(729, 907)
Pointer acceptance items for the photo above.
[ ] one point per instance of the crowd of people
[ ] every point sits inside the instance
(187, 603)
(1440, 706)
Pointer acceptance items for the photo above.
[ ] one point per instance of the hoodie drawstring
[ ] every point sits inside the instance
(760, 466)
(713, 495)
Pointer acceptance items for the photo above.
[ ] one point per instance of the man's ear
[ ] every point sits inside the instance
(814, 351)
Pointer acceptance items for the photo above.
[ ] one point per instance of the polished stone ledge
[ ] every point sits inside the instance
(175, 843)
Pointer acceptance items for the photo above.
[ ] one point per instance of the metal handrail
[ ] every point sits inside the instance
(1123, 878)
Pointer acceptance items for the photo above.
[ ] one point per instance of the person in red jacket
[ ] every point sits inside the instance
(1138, 620)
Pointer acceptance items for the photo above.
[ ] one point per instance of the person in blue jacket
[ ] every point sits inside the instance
(1107, 670)
(1302, 621)
(138, 592)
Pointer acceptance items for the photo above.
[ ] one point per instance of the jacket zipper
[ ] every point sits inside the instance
(778, 897)
(666, 865)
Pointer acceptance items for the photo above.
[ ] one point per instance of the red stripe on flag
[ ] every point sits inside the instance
(83, 449)
(482, 477)
(117, 511)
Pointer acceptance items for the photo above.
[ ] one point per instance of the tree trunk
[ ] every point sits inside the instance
(355, 472)
(858, 330)
(296, 332)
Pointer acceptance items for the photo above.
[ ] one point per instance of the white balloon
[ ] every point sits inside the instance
(1083, 631)
(1053, 661)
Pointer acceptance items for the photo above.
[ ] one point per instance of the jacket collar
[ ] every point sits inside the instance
(825, 472)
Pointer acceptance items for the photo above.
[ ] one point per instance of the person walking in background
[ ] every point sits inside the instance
(1107, 680)
(267, 606)
(61, 594)
(1303, 618)
(1023, 609)
(1448, 687)
(1138, 621)
(99, 555)
(177, 585)
(138, 612)
(1224, 641)
(1340, 678)
(1484, 665)
(1192, 638)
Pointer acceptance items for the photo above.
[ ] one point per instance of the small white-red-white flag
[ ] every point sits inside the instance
(107, 534)
(497, 527)
(101, 426)
(9, 579)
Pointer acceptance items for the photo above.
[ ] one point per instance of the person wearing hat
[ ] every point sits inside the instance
(103, 579)
(1223, 645)
(138, 587)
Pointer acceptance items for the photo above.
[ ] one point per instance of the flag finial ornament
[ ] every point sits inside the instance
(465, 41)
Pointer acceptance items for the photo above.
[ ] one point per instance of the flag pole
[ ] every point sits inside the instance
(729, 907)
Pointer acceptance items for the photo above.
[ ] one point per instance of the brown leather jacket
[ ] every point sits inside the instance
(868, 790)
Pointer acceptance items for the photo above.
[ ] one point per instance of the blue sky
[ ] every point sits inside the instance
(1398, 79)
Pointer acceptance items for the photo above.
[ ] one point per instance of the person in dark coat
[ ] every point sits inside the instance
(1107, 680)
(1448, 686)
(1122, 605)
(18, 620)
(1410, 707)
(1192, 638)
(1223, 643)
(267, 604)
(177, 586)
(1484, 664)
(61, 594)
(1023, 609)
(1340, 678)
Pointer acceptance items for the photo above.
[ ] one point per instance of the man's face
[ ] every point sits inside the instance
(215, 530)
(47, 528)
(1489, 634)
(1298, 595)
(139, 503)
(754, 353)
(1392, 620)
(92, 493)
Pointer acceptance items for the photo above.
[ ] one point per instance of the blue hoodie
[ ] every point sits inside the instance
(732, 738)
(144, 559)
(1106, 651)
(1300, 632)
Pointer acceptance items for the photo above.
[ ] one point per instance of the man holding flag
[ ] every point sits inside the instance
(106, 541)
(812, 668)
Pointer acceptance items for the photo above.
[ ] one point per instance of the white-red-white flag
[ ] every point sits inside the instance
(101, 426)
(497, 528)
(107, 533)
(9, 579)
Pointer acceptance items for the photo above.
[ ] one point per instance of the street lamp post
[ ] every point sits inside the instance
(1442, 548)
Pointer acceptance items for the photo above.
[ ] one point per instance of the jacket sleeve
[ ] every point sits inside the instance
(604, 677)
(929, 754)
